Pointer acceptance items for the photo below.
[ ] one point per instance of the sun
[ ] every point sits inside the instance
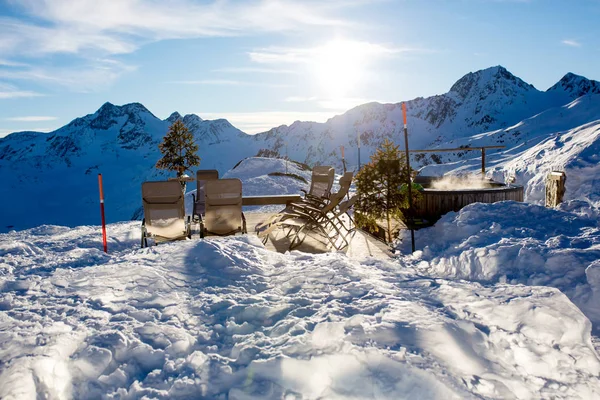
(339, 67)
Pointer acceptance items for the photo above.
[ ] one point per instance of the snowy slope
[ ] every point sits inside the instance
(517, 243)
(257, 179)
(565, 138)
(481, 101)
(225, 318)
(52, 177)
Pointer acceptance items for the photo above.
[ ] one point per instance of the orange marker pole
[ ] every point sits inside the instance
(343, 158)
(408, 180)
(102, 213)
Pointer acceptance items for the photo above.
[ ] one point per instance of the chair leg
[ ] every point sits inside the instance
(144, 241)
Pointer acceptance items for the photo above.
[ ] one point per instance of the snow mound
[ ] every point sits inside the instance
(255, 174)
(225, 318)
(517, 243)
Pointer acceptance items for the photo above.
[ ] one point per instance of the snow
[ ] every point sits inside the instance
(254, 172)
(226, 318)
(499, 300)
(517, 243)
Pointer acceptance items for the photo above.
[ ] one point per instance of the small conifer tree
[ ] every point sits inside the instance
(381, 188)
(179, 150)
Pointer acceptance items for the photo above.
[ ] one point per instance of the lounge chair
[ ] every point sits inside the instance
(325, 218)
(202, 176)
(164, 212)
(330, 226)
(320, 184)
(309, 206)
(223, 214)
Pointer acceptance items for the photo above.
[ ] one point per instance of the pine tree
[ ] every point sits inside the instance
(179, 150)
(381, 188)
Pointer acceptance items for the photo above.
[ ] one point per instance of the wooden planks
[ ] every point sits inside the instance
(268, 200)
(435, 203)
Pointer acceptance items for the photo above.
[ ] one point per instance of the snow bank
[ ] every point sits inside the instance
(254, 174)
(576, 151)
(517, 243)
(225, 318)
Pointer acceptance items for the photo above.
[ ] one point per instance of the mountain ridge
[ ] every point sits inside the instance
(122, 141)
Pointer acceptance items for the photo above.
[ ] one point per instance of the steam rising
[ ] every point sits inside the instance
(452, 182)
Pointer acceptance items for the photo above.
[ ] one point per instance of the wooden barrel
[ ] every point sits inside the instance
(433, 203)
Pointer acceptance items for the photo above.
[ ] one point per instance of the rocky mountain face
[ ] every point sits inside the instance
(481, 101)
(51, 177)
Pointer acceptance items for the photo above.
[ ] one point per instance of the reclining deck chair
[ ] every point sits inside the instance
(326, 218)
(319, 205)
(164, 212)
(223, 214)
(202, 176)
(330, 226)
(320, 184)
(318, 194)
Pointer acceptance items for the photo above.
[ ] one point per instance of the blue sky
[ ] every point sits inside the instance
(269, 62)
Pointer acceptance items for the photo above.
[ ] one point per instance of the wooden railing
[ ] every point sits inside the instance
(268, 200)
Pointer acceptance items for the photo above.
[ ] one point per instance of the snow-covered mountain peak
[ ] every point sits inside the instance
(482, 83)
(173, 117)
(190, 119)
(575, 86)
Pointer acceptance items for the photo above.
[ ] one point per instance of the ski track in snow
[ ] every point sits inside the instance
(226, 318)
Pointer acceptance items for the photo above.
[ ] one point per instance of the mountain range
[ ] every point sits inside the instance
(51, 177)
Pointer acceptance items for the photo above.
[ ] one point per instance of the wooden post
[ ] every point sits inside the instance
(483, 162)
(358, 141)
(102, 213)
(343, 159)
(409, 180)
(555, 188)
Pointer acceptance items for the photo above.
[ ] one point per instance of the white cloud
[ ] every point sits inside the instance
(334, 104)
(300, 99)
(255, 122)
(571, 43)
(12, 92)
(251, 70)
(342, 104)
(9, 63)
(84, 77)
(32, 118)
(121, 26)
(228, 82)
(299, 55)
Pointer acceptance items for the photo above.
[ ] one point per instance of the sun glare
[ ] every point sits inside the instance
(339, 66)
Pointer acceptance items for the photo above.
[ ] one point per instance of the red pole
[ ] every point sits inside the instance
(408, 180)
(343, 159)
(102, 213)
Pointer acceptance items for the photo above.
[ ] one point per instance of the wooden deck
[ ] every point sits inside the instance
(361, 245)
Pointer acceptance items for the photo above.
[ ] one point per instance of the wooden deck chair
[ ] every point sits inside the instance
(331, 226)
(317, 205)
(320, 183)
(164, 212)
(202, 176)
(223, 215)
